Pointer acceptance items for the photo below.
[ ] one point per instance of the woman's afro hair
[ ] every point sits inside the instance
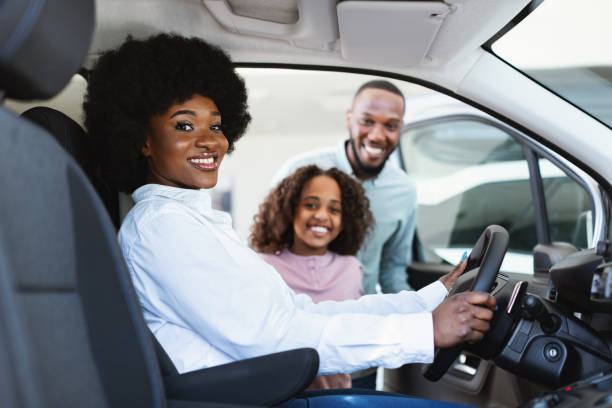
(142, 78)
(272, 230)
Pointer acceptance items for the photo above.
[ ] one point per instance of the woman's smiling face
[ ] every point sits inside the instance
(185, 145)
(318, 217)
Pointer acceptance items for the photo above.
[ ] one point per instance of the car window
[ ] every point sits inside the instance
(470, 174)
(561, 45)
(458, 143)
(568, 206)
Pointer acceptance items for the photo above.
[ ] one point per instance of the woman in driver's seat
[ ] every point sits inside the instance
(163, 113)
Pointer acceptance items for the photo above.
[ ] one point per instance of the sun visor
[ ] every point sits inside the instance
(316, 27)
(389, 33)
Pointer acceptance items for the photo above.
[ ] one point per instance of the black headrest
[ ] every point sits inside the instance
(76, 142)
(42, 44)
(66, 131)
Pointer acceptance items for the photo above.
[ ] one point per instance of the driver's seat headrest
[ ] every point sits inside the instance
(73, 138)
(42, 44)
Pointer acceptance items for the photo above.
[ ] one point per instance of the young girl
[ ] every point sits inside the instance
(309, 228)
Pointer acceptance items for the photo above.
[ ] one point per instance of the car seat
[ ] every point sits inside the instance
(73, 139)
(72, 330)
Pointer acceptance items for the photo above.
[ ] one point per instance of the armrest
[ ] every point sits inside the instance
(266, 380)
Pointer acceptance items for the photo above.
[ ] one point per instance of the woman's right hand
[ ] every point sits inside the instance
(463, 317)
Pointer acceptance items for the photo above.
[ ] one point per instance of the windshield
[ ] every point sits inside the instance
(565, 46)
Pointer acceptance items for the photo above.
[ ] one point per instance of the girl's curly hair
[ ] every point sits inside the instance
(142, 78)
(272, 230)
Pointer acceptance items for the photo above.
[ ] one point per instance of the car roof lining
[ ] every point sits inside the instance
(315, 37)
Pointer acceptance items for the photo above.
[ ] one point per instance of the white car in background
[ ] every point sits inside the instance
(472, 169)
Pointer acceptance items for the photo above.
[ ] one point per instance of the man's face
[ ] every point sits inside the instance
(374, 123)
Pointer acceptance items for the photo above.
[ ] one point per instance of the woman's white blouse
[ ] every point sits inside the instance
(210, 300)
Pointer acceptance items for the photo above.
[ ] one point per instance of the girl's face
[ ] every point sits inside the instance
(185, 145)
(318, 217)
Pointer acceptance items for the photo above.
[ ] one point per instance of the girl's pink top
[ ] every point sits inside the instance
(322, 277)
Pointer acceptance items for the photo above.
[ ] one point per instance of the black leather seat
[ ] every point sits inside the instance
(73, 138)
(71, 330)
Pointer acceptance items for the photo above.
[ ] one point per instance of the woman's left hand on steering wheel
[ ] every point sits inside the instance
(450, 278)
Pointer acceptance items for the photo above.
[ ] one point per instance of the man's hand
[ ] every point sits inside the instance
(459, 318)
(449, 279)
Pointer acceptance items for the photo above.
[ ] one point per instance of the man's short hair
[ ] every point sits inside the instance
(380, 84)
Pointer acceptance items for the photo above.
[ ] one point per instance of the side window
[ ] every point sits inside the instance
(569, 207)
(469, 171)
(470, 174)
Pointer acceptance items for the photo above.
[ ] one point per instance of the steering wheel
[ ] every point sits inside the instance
(481, 270)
